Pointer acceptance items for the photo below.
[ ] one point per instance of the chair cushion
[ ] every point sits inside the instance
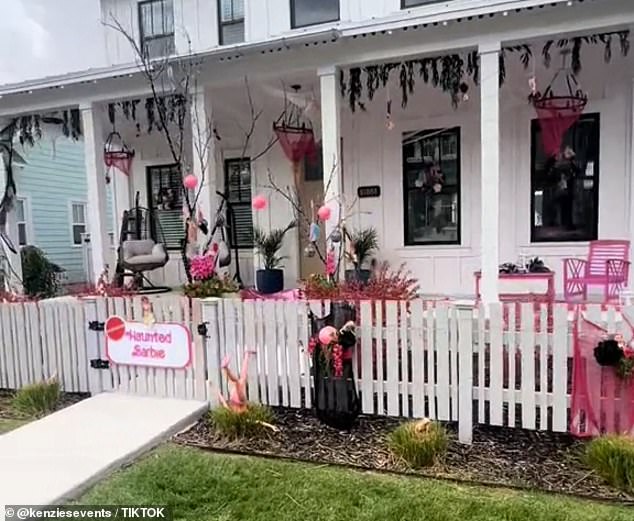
(143, 255)
(134, 248)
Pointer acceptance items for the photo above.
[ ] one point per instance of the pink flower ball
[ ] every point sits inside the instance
(324, 213)
(259, 202)
(190, 181)
(327, 335)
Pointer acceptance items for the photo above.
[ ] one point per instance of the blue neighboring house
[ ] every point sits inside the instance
(51, 208)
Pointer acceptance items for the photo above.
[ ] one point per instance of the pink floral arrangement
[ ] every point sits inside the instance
(332, 355)
(202, 267)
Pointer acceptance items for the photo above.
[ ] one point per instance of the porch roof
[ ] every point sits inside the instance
(421, 18)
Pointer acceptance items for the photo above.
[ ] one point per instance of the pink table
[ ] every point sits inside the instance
(289, 295)
(523, 280)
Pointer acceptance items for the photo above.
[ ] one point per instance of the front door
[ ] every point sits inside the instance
(311, 189)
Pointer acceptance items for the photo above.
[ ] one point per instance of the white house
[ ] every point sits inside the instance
(457, 183)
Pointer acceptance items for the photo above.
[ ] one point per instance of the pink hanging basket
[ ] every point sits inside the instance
(558, 112)
(116, 154)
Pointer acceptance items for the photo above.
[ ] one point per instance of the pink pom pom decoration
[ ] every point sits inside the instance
(327, 335)
(324, 213)
(190, 181)
(259, 202)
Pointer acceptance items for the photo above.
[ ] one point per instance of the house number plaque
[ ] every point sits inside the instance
(368, 191)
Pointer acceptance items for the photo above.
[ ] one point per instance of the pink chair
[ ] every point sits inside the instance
(608, 265)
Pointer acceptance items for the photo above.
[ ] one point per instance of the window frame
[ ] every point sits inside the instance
(248, 203)
(596, 117)
(143, 39)
(420, 4)
(71, 204)
(150, 202)
(406, 190)
(294, 18)
(222, 24)
(28, 231)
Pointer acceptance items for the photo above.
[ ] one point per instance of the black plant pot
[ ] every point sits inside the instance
(361, 276)
(269, 281)
(335, 399)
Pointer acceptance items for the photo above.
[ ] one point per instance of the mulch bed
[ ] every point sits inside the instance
(498, 456)
(7, 412)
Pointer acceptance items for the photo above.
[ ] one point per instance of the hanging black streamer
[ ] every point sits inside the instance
(449, 72)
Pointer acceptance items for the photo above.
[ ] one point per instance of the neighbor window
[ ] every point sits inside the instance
(565, 187)
(78, 222)
(431, 178)
(165, 199)
(313, 12)
(231, 15)
(21, 213)
(238, 193)
(156, 22)
(415, 3)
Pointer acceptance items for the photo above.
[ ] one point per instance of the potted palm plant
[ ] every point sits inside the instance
(271, 278)
(363, 243)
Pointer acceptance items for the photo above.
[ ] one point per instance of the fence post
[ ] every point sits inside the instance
(465, 373)
(212, 348)
(95, 378)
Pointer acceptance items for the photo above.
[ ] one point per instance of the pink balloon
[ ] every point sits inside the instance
(259, 202)
(324, 213)
(327, 335)
(190, 181)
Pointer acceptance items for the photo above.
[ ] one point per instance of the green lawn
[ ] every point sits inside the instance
(201, 486)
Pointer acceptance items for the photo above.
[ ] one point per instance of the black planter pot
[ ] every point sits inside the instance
(335, 399)
(269, 281)
(361, 276)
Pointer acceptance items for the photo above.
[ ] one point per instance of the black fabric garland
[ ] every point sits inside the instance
(449, 72)
(171, 109)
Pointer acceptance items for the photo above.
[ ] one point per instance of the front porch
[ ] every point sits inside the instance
(492, 207)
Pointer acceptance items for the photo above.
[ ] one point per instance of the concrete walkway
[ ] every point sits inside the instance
(56, 458)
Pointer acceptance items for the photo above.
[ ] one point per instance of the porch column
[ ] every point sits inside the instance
(203, 153)
(631, 191)
(330, 142)
(490, 169)
(95, 176)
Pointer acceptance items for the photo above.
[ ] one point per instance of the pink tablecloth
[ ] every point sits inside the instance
(251, 294)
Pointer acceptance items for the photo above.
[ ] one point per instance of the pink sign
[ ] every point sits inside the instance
(159, 345)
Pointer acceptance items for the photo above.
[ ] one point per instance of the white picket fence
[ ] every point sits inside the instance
(55, 338)
(506, 365)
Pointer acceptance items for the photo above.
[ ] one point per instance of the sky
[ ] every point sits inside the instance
(48, 37)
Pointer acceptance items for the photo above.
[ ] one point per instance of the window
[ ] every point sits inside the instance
(238, 193)
(165, 199)
(311, 12)
(565, 188)
(231, 16)
(78, 222)
(415, 3)
(314, 166)
(156, 22)
(431, 178)
(21, 220)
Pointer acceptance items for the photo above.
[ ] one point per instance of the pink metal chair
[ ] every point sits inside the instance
(608, 265)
